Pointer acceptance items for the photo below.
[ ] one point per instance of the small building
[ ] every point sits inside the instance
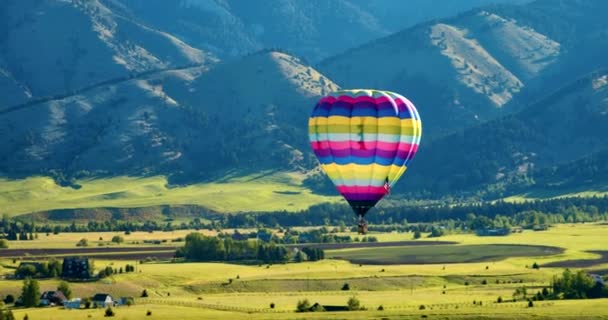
(52, 298)
(597, 278)
(73, 304)
(102, 300)
(76, 268)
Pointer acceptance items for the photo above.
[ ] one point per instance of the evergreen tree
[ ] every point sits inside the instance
(30, 293)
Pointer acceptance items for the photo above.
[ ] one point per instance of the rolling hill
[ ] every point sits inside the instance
(550, 141)
(191, 122)
(42, 55)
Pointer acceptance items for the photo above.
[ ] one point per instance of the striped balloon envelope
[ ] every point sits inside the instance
(364, 140)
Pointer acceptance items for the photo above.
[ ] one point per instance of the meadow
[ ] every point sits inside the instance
(447, 290)
(261, 192)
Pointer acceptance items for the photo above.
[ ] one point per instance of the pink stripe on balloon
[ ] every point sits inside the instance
(362, 189)
(355, 145)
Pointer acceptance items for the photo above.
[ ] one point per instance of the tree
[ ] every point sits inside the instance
(82, 243)
(535, 266)
(109, 312)
(118, 239)
(353, 304)
(64, 287)
(345, 287)
(417, 234)
(144, 293)
(9, 299)
(520, 292)
(3, 244)
(87, 302)
(30, 293)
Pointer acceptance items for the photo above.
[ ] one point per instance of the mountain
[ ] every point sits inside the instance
(248, 114)
(459, 71)
(51, 47)
(313, 29)
(539, 143)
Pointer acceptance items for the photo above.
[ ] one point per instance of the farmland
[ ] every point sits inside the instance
(447, 289)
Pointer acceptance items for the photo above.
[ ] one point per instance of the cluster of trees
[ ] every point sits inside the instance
(464, 217)
(568, 285)
(498, 214)
(108, 271)
(50, 269)
(577, 285)
(312, 254)
(7, 315)
(203, 248)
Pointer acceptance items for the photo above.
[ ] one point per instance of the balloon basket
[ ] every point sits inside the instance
(362, 226)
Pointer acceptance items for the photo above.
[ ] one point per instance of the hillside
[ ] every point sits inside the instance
(509, 154)
(41, 55)
(191, 123)
(313, 29)
(459, 71)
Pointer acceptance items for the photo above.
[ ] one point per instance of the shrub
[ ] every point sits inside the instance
(272, 305)
(144, 293)
(303, 305)
(148, 313)
(530, 304)
(109, 312)
(499, 300)
(422, 307)
(484, 282)
(9, 299)
(82, 243)
(535, 266)
(317, 308)
(353, 304)
(87, 303)
(345, 287)
(380, 308)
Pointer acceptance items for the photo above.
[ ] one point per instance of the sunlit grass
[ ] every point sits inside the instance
(272, 192)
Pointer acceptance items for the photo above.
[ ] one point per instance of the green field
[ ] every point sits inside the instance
(204, 291)
(264, 192)
(441, 253)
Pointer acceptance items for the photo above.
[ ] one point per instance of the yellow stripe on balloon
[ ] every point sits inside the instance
(353, 171)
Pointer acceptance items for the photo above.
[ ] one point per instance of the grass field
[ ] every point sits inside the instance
(204, 291)
(264, 192)
(441, 253)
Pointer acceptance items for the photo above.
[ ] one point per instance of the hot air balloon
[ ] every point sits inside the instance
(364, 140)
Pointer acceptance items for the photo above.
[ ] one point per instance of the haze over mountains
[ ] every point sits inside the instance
(510, 95)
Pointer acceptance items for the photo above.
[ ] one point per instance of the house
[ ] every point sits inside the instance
(76, 268)
(52, 298)
(102, 300)
(597, 278)
(73, 304)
